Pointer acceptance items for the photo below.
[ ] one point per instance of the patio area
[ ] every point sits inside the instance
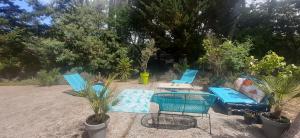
(33, 111)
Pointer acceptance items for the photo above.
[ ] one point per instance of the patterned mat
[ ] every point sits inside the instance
(133, 100)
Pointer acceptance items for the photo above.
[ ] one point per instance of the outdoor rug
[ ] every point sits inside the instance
(133, 100)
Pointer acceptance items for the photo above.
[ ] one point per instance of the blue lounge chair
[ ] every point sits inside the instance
(234, 101)
(78, 83)
(187, 77)
(184, 102)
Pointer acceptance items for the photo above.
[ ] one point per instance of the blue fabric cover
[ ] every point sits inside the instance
(187, 77)
(228, 95)
(189, 102)
(78, 83)
(133, 100)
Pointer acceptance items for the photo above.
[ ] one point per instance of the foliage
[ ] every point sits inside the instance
(83, 32)
(268, 64)
(216, 81)
(30, 81)
(271, 64)
(282, 89)
(174, 24)
(226, 56)
(146, 53)
(48, 78)
(47, 50)
(181, 66)
(119, 20)
(101, 101)
(95, 36)
(235, 54)
(16, 27)
(125, 68)
(272, 25)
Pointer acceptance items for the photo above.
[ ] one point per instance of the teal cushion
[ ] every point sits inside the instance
(228, 95)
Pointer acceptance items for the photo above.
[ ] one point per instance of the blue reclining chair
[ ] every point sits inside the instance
(78, 83)
(234, 101)
(187, 77)
(184, 102)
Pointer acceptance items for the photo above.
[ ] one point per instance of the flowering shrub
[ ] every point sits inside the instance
(271, 64)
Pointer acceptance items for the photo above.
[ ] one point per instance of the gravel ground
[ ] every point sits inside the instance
(33, 111)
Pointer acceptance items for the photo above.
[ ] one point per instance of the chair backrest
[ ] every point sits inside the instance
(189, 75)
(189, 102)
(75, 81)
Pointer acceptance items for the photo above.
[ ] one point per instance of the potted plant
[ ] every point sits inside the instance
(146, 53)
(281, 89)
(97, 123)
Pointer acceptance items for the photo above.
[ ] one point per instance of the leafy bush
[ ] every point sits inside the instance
(269, 64)
(227, 56)
(48, 78)
(180, 67)
(213, 56)
(146, 53)
(124, 68)
(272, 64)
(216, 81)
(235, 54)
(86, 41)
(30, 81)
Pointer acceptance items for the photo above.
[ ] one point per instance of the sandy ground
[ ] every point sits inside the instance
(33, 111)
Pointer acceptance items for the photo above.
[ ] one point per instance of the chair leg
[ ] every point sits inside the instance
(229, 111)
(158, 114)
(209, 124)
(153, 119)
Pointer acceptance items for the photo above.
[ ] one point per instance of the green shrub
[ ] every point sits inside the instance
(235, 54)
(124, 68)
(180, 67)
(146, 53)
(272, 64)
(269, 64)
(225, 56)
(48, 78)
(216, 81)
(29, 81)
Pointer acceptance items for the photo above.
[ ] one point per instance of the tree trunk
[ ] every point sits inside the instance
(294, 131)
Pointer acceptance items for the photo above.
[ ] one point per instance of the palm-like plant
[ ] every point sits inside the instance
(125, 68)
(281, 89)
(101, 101)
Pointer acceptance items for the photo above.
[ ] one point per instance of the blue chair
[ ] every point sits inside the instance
(78, 83)
(234, 101)
(184, 102)
(187, 77)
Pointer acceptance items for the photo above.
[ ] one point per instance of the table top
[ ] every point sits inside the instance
(177, 86)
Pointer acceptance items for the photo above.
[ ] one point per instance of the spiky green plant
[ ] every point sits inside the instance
(125, 68)
(281, 89)
(101, 101)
